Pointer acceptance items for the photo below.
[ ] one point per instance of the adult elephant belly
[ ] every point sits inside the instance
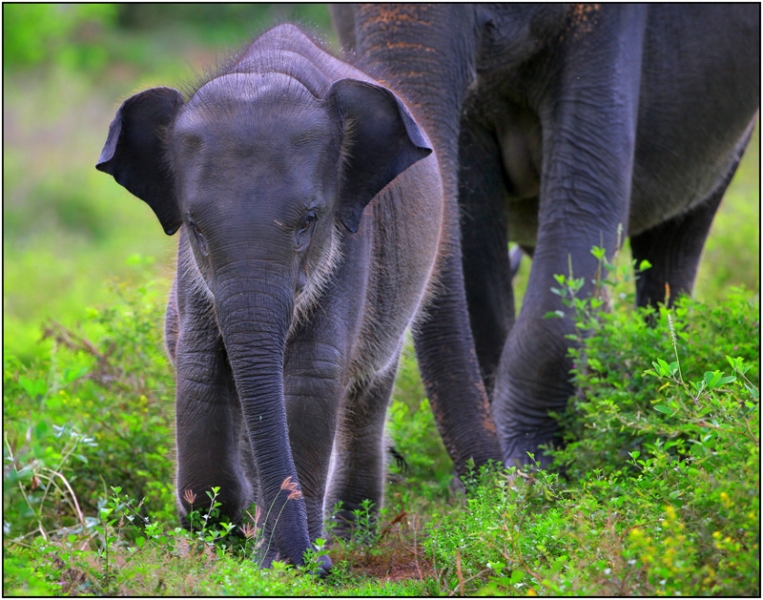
(665, 184)
(519, 139)
(699, 93)
(677, 168)
(677, 171)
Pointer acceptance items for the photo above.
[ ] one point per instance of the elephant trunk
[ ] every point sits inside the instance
(254, 306)
(434, 46)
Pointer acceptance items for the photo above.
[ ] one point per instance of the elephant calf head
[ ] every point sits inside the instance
(257, 159)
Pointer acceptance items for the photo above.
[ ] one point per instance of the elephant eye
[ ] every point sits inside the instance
(302, 235)
(307, 221)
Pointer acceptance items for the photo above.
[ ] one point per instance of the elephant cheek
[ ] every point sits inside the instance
(301, 281)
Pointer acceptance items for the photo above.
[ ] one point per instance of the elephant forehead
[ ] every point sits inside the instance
(235, 170)
(253, 106)
(250, 87)
(266, 124)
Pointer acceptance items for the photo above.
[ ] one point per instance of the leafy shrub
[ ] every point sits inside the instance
(658, 485)
(681, 439)
(88, 416)
(657, 492)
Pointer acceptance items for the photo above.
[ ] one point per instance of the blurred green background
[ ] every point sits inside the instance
(69, 230)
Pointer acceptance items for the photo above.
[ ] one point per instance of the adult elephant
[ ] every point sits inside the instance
(555, 126)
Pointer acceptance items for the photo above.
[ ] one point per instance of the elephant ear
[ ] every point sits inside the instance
(134, 152)
(381, 141)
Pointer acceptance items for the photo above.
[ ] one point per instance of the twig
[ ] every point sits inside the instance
(413, 550)
(74, 341)
(752, 435)
(519, 555)
(415, 553)
(395, 521)
(71, 493)
(458, 570)
(461, 583)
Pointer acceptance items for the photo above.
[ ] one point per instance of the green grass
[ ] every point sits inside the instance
(657, 491)
(660, 492)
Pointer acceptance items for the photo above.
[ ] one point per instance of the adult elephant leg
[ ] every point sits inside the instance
(674, 247)
(359, 460)
(343, 18)
(589, 127)
(484, 243)
(450, 369)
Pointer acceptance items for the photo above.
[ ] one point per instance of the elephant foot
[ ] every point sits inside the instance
(525, 449)
(321, 569)
(354, 522)
(525, 426)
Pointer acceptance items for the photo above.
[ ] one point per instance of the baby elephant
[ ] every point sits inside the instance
(308, 202)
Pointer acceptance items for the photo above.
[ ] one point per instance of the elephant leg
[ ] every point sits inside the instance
(313, 393)
(589, 131)
(342, 15)
(448, 362)
(484, 245)
(210, 434)
(359, 459)
(450, 369)
(674, 247)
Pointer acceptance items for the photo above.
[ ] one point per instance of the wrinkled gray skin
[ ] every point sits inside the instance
(298, 273)
(555, 125)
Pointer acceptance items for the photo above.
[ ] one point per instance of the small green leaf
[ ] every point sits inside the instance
(516, 576)
(663, 368)
(497, 565)
(712, 379)
(557, 314)
(33, 387)
(662, 408)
